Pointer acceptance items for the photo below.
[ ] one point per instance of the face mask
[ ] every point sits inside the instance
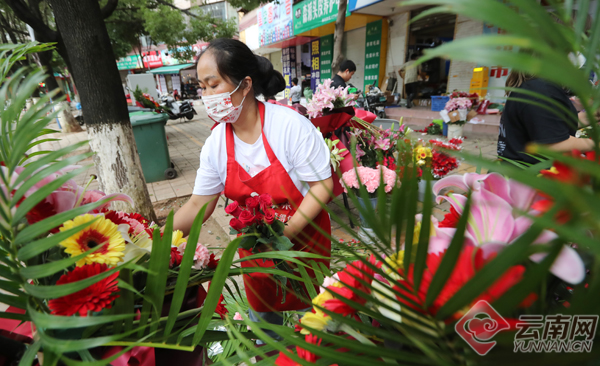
(220, 109)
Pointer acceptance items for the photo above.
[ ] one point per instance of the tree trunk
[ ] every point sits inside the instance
(68, 123)
(93, 65)
(338, 36)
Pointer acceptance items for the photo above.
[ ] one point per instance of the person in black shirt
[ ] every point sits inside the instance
(523, 123)
(347, 69)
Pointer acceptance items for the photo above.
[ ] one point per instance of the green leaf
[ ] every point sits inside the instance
(247, 242)
(47, 321)
(56, 291)
(283, 243)
(40, 246)
(30, 354)
(450, 257)
(52, 267)
(212, 298)
(423, 246)
(184, 271)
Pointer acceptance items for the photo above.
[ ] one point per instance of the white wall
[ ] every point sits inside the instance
(252, 37)
(353, 49)
(461, 72)
(275, 58)
(396, 53)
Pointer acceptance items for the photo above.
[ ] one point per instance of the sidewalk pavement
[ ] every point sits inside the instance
(185, 140)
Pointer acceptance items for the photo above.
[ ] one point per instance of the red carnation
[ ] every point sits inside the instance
(175, 257)
(450, 219)
(212, 262)
(221, 309)
(269, 216)
(266, 201)
(236, 224)
(252, 203)
(246, 217)
(91, 299)
(233, 209)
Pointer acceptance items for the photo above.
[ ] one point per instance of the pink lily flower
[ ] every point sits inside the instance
(496, 220)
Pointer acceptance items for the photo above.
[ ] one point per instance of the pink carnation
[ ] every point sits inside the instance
(201, 257)
(237, 316)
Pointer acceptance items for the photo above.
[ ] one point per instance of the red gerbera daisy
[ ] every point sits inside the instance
(469, 263)
(450, 219)
(91, 299)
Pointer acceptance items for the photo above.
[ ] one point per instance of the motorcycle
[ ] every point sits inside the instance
(176, 109)
(374, 101)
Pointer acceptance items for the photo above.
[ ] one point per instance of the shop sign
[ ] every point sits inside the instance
(288, 58)
(129, 62)
(311, 14)
(326, 56)
(275, 22)
(359, 4)
(152, 60)
(372, 53)
(315, 64)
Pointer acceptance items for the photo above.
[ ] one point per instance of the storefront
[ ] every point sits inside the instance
(365, 43)
(169, 78)
(128, 65)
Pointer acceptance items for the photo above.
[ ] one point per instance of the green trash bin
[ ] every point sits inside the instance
(151, 141)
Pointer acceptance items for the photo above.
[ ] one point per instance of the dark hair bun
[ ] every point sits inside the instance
(270, 81)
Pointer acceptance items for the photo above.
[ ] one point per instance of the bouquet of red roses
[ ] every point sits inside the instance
(258, 222)
(262, 231)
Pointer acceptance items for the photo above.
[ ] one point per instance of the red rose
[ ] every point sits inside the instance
(236, 224)
(233, 209)
(266, 201)
(252, 203)
(175, 257)
(246, 217)
(269, 216)
(258, 219)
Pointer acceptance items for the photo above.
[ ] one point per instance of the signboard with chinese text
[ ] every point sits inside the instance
(275, 22)
(288, 58)
(372, 53)
(315, 64)
(326, 56)
(152, 60)
(129, 63)
(311, 14)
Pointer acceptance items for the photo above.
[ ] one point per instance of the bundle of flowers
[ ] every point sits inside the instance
(375, 144)
(261, 228)
(370, 178)
(441, 162)
(458, 103)
(432, 129)
(474, 97)
(327, 98)
(145, 100)
(398, 294)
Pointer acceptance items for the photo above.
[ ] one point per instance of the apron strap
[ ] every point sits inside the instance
(230, 141)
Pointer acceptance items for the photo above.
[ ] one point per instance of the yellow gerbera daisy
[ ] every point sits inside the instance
(177, 239)
(101, 232)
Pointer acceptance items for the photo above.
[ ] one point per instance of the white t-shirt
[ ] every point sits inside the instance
(294, 140)
(296, 93)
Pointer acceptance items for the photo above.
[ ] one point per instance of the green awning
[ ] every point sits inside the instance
(171, 69)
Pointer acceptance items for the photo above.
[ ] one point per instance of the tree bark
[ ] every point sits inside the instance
(93, 65)
(338, 36)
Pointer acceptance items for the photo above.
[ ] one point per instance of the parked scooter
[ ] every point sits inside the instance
(177, 109)
(374, 101)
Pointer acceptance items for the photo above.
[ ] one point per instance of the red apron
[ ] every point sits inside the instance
(261, 288)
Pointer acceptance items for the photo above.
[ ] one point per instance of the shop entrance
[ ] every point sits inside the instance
(427, 33)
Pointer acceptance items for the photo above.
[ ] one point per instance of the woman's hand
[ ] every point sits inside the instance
(185, 216)
(310, 207)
